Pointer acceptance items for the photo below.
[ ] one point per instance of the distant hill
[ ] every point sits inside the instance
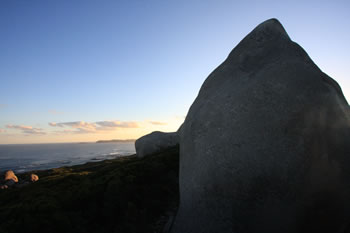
(115, 141)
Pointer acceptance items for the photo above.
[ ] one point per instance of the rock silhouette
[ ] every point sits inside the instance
(10, 179)
(265, 146)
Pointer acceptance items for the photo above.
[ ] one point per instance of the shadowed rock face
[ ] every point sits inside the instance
(265, 146)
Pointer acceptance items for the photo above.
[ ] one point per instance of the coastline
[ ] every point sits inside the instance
(128, 193)
(28, 157)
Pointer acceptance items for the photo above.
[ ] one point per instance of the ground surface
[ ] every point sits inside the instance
(121, 195)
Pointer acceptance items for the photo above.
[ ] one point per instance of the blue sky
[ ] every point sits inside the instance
(120, 69)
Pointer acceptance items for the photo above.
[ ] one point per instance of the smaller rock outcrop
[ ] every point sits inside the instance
(10, 175)
(10, 179)
(34, 178)
(155, 142)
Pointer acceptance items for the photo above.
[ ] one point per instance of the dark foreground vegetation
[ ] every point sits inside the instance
(122, 195)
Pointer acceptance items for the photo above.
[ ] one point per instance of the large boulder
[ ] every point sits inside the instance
(155, 142)
(265, 147)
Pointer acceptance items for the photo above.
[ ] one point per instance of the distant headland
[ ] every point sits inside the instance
(115, 141)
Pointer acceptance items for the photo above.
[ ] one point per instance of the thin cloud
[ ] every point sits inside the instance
(65, 131)
(27, 129)
(74, 124)
(2, 130)
(79, 126)
(157, 123)
(82, 127)
(118, 124)
(22, 127)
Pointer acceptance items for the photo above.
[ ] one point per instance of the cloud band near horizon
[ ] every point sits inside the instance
(83, 127)
(27, 129)
(94, 127)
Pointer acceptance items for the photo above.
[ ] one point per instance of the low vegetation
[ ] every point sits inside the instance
(122, 195)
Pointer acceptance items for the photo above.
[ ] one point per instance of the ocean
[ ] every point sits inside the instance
(27, 157)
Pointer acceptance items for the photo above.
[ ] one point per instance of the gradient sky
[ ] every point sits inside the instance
(87, 70)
